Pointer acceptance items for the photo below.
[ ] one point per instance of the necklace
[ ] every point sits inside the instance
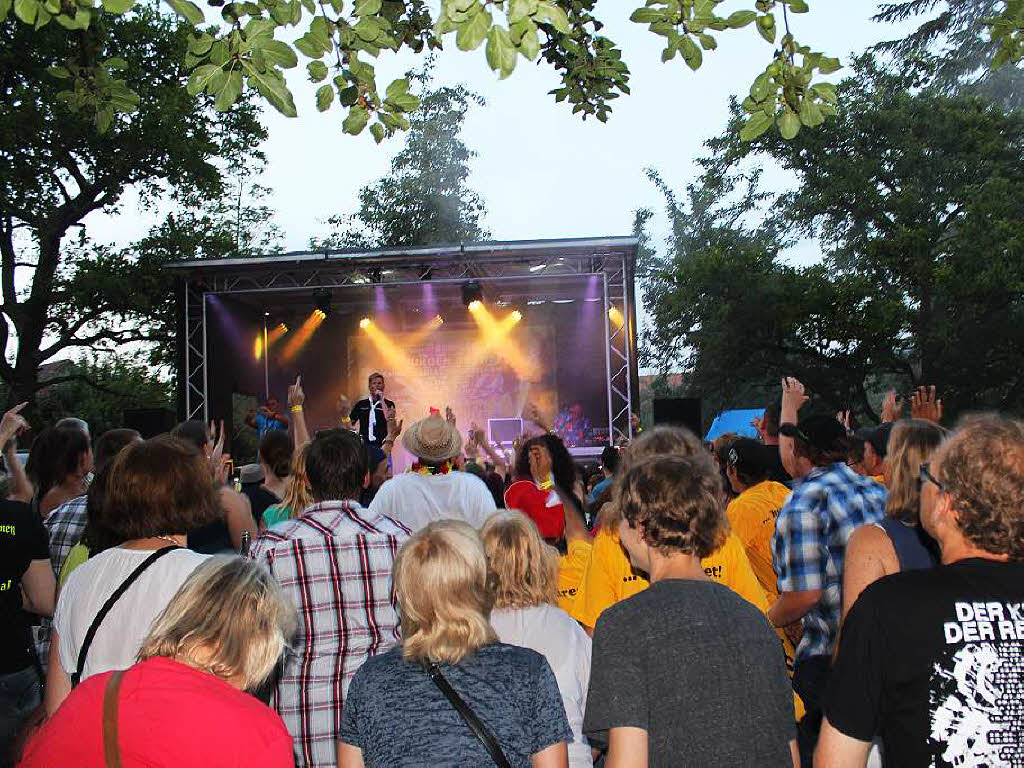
(165, 538)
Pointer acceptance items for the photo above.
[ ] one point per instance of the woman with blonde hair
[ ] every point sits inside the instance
(897, 542)
(451, 694)
(220, 635)
(524, 579)
(297, 495)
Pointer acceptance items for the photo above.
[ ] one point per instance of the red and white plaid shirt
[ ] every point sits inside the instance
(335, 563)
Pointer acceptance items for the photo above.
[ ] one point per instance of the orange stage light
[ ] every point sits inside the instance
(303, 335)
(495, 340)
(616, 317)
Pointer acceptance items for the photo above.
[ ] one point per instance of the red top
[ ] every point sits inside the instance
(543, 507)
(169, 715)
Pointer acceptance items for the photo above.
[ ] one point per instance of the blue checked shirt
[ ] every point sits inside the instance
(809, 544)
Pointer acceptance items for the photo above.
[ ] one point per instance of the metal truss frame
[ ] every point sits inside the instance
(613, 258)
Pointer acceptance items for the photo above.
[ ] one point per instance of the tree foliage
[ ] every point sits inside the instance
(917, 200)
(425, 198)
(62, 293)
(339, 38)
(966, 43)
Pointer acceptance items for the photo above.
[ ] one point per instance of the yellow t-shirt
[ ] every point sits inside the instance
(571, 566)
(752, 517)
(609, 577)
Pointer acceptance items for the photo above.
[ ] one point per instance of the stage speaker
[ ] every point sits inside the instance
(679, 412)
(149, 422)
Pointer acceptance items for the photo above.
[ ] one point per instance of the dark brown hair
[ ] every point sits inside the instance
(676, 502)
(276, 450)
(158, 486)
(336, 465)
(982, 469)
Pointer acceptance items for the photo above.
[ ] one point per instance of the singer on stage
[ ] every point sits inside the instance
(371, 412)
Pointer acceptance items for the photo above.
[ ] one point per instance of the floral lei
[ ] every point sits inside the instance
(425, 469)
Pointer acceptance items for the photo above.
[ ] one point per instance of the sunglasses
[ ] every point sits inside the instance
(926, 476)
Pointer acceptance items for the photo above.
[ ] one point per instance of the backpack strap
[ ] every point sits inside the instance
(76, 677)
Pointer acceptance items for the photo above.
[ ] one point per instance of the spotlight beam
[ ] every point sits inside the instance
(495, 339)
(303, 335)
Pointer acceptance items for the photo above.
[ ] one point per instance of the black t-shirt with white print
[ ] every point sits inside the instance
(933, 662)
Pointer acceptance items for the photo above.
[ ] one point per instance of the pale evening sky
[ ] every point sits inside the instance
(542, 171)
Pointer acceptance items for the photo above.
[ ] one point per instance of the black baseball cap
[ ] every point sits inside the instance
(878, 437)
(822, 432)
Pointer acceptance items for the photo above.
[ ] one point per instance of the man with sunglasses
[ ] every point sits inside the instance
(829, 501)
(932, 661)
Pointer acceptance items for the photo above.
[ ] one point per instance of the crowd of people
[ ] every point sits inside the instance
(819, 595)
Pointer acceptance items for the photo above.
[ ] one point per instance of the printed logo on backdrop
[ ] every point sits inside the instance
(976, 689)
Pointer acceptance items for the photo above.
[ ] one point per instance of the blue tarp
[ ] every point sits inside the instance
(734, 421)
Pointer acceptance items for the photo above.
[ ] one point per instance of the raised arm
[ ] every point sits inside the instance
(296, 399)
(793, 398)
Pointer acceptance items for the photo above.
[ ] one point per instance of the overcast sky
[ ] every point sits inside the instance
(542, 171)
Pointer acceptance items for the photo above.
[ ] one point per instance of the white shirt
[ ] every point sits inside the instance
(415, 500)
(119, 637)
(550, 631)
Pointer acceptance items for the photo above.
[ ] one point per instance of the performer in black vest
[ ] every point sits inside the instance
(371, 412)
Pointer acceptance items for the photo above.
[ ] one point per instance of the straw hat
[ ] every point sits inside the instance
(432, 439)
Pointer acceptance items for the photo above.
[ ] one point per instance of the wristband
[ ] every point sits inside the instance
(296, 409)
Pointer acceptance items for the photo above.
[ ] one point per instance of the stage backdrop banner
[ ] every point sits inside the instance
(457, 368)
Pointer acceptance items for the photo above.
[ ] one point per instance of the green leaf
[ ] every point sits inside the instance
(811, 114)
(826, 91)
(529, 45)
(521, 9)
(201, 77)
(766, 26)
(61, 73)
(272, 87)
(200, 45)
(405, 102)
(117, 6)
(789, 124)
(691, 53)
(116, 63)
(741, 19)
(188, 11)
(348, 96)
(317, 71)
(798, 6)
(648, 16)
(669, 53)
(473, 31)
(104, 119)
(26, 10)
(229, 92)
(828, 65)
(324, 97)
(367, 30)
(707, 42)
(5, 8)
(397, 88)
(308, 47)
(501, 54)
(356, 120)
(757, 124)
(378, 131)
(555, 16)
(367, 7)
(280, 53)
(80, 20)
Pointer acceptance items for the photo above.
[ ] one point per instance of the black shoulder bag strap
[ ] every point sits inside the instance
(76, 677)
(479, 729)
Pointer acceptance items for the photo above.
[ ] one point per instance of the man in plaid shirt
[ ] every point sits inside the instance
(829, 501)
(334, 561)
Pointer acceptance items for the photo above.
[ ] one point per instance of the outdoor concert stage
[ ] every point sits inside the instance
(555, 325)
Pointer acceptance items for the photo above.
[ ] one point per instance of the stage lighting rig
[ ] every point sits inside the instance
(322, 301)
(472, 292)
(364, 323)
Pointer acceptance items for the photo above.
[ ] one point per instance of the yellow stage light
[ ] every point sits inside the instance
(364, 323)
(517, 315)
(257, 350)
(438, 319)
(476, 305)
(616, 316)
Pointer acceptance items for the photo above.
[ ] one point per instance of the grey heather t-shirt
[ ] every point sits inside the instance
(700, 669)
(399, 717)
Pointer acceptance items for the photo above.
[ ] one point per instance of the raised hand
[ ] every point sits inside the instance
(892, 406)
(449, 415)
(217, 436)
(13, 423)
(793, 396)
(924, 404)
(296, 395)
(846, 419)
(344, 405)
(394, 425)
